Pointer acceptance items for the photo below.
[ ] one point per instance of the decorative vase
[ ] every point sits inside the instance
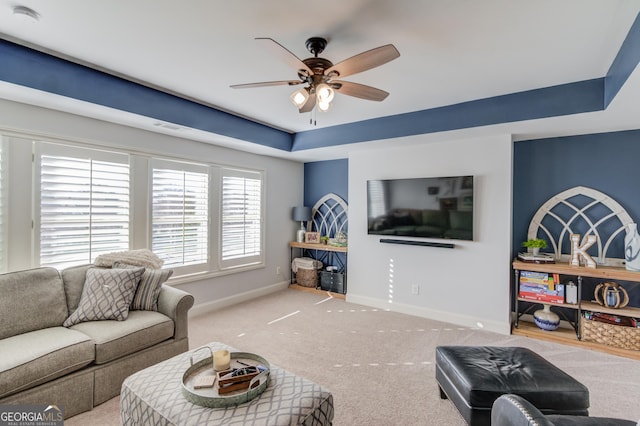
(546, 319)
(632, 248)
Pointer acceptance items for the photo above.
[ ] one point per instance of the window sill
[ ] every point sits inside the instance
(200, 276)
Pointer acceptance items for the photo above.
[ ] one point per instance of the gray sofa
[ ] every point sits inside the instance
(82, 365)
(450, 224)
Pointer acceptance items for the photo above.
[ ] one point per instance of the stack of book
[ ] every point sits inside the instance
(541, 287)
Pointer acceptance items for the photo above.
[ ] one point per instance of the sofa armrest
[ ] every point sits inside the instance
(513, 410)
(175, 304)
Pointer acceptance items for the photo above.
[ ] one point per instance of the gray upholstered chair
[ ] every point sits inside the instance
(513, 410)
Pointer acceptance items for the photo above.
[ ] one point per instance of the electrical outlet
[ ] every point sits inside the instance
(415, 289)
(277, 270)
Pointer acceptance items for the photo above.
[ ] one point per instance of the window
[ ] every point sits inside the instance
(241, 233)
(76, 202)
(180, 215)
(84, 204)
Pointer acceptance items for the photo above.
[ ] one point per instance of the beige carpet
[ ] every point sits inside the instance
(378, 364)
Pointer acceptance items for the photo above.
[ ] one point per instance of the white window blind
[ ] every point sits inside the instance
(376, 198)
(84, 205)
(241, 235)
(180, 215)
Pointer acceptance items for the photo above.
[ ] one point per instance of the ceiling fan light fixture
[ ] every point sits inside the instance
(300, 97)
(324, 106)
(324, 93)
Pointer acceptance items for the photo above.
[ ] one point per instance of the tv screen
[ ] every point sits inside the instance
(429, 207)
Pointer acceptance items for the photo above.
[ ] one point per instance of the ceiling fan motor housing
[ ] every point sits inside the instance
(316, 45)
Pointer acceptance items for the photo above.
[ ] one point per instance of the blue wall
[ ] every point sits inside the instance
(324, 177)
(607, 162)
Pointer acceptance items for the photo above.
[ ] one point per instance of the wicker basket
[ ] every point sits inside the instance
(307, 277)
(609, 334)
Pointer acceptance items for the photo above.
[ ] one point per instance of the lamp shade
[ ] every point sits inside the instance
(301, 213)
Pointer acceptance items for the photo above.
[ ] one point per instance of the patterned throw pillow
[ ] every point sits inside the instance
(106, 295)
(146, 297)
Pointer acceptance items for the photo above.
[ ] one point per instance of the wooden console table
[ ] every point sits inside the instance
(324, 253)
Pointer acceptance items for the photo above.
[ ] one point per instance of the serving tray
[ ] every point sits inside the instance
(209, 397)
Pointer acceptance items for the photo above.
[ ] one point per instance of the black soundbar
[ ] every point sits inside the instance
(417, 243)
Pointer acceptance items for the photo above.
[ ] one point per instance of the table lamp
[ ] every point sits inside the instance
(301, 214)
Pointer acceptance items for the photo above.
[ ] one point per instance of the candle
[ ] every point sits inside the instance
(221, 360)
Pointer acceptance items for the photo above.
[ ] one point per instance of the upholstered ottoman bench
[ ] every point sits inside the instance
(473, 377)
(153, 396)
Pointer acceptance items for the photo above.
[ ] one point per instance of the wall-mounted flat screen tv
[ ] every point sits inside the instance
(429, 207)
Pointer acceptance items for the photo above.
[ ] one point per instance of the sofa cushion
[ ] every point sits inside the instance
(461, 219)
(436, 218)
(429, 231)
(107, 294)
(36, 357)
(405, 230)
(403, 218)
(73, 279)
(31, 300)
(115, 339)
(146, 297)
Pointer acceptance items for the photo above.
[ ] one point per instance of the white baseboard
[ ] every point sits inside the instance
(450, 317)
(208, 307)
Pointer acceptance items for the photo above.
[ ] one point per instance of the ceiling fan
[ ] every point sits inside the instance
(320, 74)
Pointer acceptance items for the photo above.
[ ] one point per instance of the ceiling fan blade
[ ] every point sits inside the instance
(267, 83)
(359, 90)
(284, 54)
(308, 106)
(365, 61)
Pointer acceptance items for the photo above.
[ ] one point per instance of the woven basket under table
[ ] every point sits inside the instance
(610, 334)
(307, 277)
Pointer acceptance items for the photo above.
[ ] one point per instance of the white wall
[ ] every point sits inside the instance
(466, 285)
(284, 189)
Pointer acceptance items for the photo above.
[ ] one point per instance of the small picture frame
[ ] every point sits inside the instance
(312, 237)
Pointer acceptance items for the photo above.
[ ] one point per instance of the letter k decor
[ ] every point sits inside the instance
(578, 251)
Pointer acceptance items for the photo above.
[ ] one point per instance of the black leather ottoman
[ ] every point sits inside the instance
(473, 377)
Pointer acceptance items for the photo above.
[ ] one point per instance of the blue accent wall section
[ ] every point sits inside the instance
(324, 177)
(607, 162)
(37, 70)
(623, 65)
(572, 98)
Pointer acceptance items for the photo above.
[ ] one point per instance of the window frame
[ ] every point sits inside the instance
(182, 166)
(52, 149)
(244, 260)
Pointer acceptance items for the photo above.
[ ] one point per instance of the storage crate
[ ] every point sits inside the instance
(610, 334)
(332, 281)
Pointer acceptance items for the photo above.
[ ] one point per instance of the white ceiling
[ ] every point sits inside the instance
(451, 51)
